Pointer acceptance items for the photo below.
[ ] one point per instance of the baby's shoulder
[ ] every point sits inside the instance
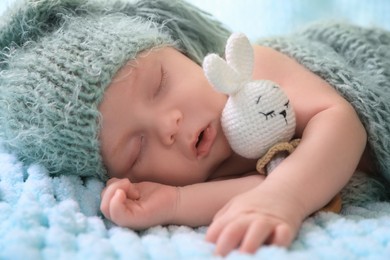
(308, 92)
(274, 65)
(288, 73)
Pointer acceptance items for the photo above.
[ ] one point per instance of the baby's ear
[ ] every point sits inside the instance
(220, 75)
(239, 55)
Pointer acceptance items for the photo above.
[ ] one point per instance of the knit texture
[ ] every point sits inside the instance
(57, 57)
(356, 62)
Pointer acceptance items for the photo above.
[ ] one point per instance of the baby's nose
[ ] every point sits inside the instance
(169, 127)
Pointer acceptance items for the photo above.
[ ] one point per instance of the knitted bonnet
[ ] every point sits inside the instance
(57, 57)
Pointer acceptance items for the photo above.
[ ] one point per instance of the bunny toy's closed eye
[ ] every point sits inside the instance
(258, 113)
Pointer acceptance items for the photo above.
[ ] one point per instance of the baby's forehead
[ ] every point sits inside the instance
(150, 58)
(145, 60)
(155, 53)
(146, 67)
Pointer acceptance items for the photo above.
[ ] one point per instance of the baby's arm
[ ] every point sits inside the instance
(333, 140)
(198, 203)
(145, 204)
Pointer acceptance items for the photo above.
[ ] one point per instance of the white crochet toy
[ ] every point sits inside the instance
(258, 120)
(258, 113)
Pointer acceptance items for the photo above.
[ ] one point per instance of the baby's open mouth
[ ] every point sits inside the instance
(205, 141)
(200, 137)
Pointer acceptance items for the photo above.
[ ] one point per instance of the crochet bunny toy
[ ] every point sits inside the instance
(258, 120)
(257, 114)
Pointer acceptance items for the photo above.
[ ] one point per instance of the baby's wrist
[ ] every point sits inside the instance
(284, 204)
(173, 214)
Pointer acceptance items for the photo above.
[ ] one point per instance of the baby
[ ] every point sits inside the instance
(175, 138)
(115, 90)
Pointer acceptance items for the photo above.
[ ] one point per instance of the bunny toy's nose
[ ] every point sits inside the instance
(284, 114)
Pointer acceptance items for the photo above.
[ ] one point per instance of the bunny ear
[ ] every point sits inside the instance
(240, 55)
(220, 75)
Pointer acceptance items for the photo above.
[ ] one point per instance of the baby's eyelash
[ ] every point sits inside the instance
(163, 82)
(141, 153)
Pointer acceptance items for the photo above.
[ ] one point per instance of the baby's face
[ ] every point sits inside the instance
(161, 121)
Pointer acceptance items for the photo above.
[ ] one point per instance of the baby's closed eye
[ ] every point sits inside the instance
(163, 83)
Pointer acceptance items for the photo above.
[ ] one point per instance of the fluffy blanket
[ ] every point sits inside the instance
(43, 217)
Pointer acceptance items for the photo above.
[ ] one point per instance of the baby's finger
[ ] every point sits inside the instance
(109, 191)
(258, 232)
(112, 180)
(214, 230)
(219, 222)
(120, 211)
(283, 236)
(128, 187)
(124, 184)
(111, 185)
(132, 191)
(231, 236)
(105, 202)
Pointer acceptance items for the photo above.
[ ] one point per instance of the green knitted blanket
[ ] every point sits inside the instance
(356, 62)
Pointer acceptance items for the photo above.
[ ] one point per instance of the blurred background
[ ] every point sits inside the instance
(261, 18)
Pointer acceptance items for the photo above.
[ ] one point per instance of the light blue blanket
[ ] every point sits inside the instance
(43, 217)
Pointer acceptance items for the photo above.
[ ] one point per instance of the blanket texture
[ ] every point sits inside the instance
(43, 217)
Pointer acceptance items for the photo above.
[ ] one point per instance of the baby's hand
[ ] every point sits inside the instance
(249, 221)
(138, 205)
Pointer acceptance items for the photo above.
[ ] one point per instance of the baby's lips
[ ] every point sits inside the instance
(204, 146)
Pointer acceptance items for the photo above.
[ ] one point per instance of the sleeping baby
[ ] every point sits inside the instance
(116, 90)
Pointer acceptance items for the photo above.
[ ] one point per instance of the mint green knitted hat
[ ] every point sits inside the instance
(58, 56)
